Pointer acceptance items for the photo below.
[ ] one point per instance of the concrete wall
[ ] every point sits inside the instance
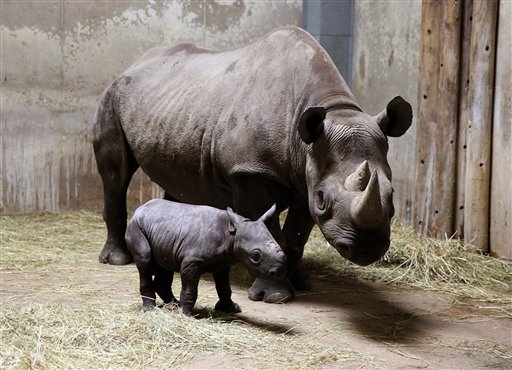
(57, 58)
(385, 64)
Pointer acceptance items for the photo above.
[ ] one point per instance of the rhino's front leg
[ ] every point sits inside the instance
(296, 230)
(190, 275)
(279, 291)
(252, 197)
(225, 304)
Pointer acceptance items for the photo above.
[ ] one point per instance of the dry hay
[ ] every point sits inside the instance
(108, 333)
(44, 335)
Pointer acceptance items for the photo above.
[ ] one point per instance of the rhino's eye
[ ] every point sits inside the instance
(320, 200)
(256, 255)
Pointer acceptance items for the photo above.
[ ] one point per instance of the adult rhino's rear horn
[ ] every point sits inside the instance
(358, 180)
(366, 210)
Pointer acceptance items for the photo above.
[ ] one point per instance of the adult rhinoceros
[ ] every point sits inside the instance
(270, 122)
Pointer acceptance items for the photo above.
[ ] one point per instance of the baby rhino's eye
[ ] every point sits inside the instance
(256, 255)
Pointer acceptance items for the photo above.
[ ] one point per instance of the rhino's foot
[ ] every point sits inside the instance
(228, 307)
(147, 307)
(115, 255)
(172, 301)
(271, 291)
(188, 313)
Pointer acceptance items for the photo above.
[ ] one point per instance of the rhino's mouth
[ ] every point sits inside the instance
(362, 248)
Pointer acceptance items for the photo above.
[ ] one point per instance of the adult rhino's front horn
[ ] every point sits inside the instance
(366, 209)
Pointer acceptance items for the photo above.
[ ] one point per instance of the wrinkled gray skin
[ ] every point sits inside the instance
(271, 122)
(165, 236)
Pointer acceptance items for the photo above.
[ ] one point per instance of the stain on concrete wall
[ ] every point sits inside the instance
(385, 64)
(57, 58)
(215, 16)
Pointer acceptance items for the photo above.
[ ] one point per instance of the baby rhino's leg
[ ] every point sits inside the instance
(225, 304)
(190, 275)
(140, 249)
(163, 285)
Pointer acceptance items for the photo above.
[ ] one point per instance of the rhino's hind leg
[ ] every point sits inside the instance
(116, 178)
(141, 251)
(116, 166)
(163, 285)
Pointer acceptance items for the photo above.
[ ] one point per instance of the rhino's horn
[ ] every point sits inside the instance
(358, 180)
(366, 208)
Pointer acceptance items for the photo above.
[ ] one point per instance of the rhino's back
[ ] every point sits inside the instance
(194, 118)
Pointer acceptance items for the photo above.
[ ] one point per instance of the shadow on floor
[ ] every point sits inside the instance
(370, 308)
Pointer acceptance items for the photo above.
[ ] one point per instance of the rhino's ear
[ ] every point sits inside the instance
(233, 220)
(267, 216)
(311, 124)
(396, 119)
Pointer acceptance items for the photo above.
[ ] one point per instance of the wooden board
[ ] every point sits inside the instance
(464, 109)
(436, 136)
(501, 170)
(480, 95)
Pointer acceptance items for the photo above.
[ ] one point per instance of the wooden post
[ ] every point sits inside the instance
(478, 164)
(436, 137)
(501, 183)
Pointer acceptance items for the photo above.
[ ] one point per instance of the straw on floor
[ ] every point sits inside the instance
(41, 324)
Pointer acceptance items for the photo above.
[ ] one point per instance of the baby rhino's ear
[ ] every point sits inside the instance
(233, 220)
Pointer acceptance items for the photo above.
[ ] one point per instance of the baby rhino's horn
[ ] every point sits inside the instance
(267, 216)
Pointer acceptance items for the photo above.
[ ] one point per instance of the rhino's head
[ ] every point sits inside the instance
(255, 247)
(348, 176)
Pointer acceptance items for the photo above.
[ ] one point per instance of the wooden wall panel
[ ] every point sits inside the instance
(478, 160)
(501, 170)
(436, 137)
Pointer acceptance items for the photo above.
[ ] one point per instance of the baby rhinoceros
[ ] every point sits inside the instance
(165, 236)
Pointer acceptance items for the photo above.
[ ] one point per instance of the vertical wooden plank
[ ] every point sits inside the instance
(478, 164)
(501, 183)
(427, 80)
(436, 137)
(464, 108)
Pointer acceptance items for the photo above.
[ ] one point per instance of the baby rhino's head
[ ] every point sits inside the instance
(255, 247)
